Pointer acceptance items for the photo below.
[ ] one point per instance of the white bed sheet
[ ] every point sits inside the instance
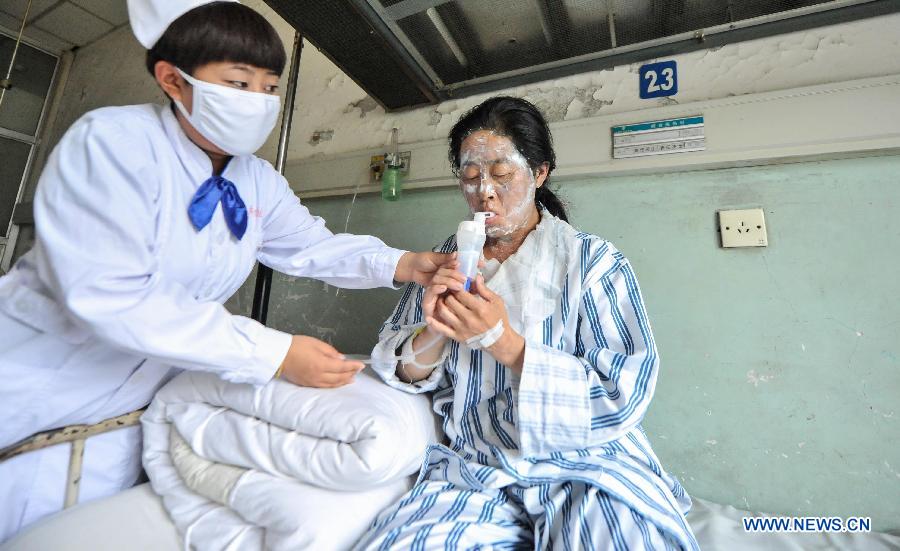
(136, 520)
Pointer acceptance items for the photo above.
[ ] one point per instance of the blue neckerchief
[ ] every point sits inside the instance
(203, 205)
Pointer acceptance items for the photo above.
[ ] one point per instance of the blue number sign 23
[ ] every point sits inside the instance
(658, 79)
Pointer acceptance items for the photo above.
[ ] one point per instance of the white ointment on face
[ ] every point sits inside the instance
(495, 177)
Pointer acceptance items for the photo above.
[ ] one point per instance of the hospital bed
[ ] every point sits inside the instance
(401, 425)
(336, 506)
(136, 520)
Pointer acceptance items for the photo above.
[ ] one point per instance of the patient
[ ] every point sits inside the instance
(542, 374)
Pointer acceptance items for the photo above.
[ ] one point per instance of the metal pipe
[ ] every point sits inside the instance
(546, 27)
(400, 47)
(611, 23)
(263, 288)
(6, 83)
(405, 8)
(289, 97)
(73, 477)
(77, 435)
(442, 29)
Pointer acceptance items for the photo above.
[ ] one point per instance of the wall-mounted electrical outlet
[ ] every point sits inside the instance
(743, 228)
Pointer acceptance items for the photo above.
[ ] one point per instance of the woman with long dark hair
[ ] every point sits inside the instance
(542, 374)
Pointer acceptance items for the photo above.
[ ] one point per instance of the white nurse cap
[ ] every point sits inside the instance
(151, 18)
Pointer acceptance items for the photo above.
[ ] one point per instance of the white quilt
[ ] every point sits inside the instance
(281, 466)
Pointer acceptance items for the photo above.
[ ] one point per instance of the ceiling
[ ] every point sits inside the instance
(412, 52)
(59, 25)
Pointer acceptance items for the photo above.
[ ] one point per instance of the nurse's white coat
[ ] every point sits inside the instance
(119, 289)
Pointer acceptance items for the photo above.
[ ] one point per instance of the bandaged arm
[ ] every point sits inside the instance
(403, 335)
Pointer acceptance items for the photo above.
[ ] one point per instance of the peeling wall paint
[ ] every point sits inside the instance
(111, 72)
(328, 99)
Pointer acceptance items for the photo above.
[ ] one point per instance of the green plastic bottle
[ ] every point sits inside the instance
(391, 183)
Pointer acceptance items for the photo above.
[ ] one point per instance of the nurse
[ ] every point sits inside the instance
(148, 218)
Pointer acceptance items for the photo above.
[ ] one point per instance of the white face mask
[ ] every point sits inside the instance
(236, 121)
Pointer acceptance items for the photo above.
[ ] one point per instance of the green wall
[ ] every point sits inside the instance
(779, 387)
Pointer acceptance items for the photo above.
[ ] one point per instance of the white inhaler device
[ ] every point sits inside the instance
(470, 237)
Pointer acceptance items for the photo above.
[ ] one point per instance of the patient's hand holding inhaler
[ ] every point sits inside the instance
(470, 237)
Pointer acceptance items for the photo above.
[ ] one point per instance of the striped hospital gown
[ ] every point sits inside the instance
(556, 457)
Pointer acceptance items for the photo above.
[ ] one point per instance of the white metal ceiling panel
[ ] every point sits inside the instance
(113, 11)
(73, 23)
(16, 8)
(10, 26)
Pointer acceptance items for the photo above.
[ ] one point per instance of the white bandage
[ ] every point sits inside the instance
(408, 355)
(486, 339)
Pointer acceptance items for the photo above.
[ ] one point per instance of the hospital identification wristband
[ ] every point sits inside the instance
(486, 339)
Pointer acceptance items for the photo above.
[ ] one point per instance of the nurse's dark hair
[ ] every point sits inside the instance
(525, 125)
(220, 31)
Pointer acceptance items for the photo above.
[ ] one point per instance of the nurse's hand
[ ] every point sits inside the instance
(315, 363)
(447, 278)
(420, 267)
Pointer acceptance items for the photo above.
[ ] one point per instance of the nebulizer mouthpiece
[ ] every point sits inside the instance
(470, 237)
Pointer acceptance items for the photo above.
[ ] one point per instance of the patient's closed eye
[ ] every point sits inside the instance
(470, 173)
(503, 178)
